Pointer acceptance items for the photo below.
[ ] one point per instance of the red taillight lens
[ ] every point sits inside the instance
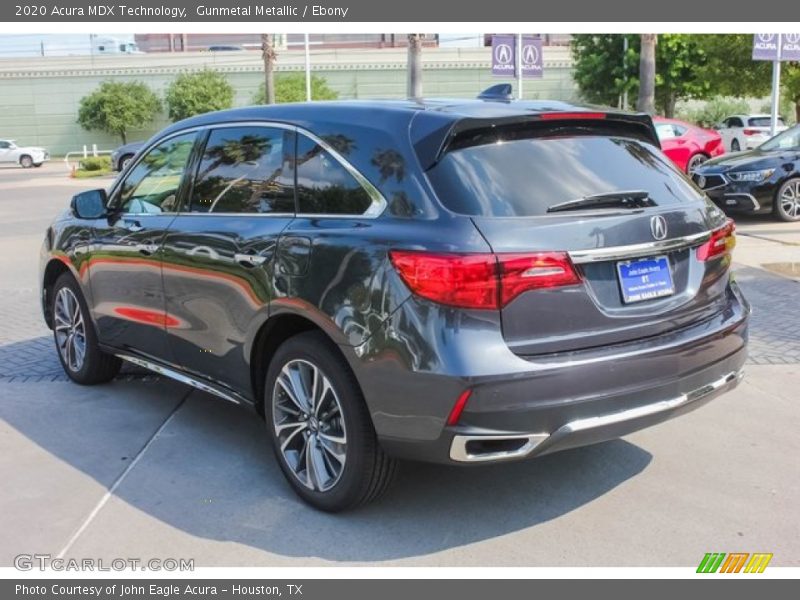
(751, 132)
(465, 280)
(458, 407)
(721, 242)
(484, 281)
(521, 273)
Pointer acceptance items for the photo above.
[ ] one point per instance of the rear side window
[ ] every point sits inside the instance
(763, 121)
(524, 177)
(245, 170)
(324, 185)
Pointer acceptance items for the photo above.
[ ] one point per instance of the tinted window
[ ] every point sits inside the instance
(324, 185)
(763, 122)
(244, 170)
(734, 122)
(524, 177)
(152, 185)
(4, 145)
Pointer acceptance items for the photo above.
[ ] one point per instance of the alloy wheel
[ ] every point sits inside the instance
(309, 425)
(696, 161)
(790, 199)
(70, 329)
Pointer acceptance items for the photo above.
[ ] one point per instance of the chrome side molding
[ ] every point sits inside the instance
(182, 378)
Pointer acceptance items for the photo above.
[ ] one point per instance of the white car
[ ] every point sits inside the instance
(744, 132)
(24, 156)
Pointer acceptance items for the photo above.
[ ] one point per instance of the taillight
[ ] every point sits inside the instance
(752, 132)
(721, 242)
(483, 281)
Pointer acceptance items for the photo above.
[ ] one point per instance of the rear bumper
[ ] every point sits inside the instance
(552, 402)
(588, 430)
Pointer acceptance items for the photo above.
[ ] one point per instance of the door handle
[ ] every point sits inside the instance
(249, 260)
(147, 248)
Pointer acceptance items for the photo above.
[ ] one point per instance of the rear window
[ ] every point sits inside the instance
(762, 122)
(524, 177)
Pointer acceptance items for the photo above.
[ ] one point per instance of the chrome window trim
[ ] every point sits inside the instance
(633, 250)
(375, 209)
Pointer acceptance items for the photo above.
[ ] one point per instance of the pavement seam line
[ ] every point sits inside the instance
(118, 481)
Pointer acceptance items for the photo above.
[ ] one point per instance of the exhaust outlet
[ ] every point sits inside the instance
(484, 448)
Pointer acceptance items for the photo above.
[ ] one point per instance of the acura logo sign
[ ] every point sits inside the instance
(658, 227)
(530, 55)
(503, 54)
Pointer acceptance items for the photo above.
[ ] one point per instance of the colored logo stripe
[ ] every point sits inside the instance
(734, 562)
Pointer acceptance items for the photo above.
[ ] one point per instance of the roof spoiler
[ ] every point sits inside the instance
(502, 92)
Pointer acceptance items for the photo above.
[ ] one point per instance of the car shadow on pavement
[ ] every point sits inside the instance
(211, 474)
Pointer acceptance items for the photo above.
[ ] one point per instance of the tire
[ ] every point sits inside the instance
(735, 147)
(786, 206)
(362, 471)
(37, 165)
(25, 161)
(695, 161)
(124, 162)
(94, 366)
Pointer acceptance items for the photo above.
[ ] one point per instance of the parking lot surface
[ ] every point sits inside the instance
(144, 467)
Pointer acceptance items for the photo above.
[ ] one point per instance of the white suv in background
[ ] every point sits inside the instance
(24, 156)
(743, 132)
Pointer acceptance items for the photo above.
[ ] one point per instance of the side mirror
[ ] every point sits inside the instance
(90, 205)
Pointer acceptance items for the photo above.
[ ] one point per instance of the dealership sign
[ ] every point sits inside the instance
(531, 58)
(504, 55)
(776, 46)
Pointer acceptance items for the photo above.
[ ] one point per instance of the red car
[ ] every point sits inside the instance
(688, 146)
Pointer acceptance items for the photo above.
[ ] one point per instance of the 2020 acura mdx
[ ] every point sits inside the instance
(454, 281)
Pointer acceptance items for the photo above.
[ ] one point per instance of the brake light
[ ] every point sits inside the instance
(567, 116)
(721, 243)
(752, 132)
(482, 281)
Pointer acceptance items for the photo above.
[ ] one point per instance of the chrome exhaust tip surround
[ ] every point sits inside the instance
(478, 448)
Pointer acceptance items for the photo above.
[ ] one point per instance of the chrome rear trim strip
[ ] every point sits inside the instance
(635, 250)
(459, 451)
(182, 378)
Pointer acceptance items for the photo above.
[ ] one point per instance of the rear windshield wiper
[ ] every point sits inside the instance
(619, 199)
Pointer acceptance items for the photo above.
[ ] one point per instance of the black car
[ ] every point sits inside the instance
(454, 281)
(761, 181)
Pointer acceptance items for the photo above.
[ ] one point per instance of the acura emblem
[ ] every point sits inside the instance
(658, 227)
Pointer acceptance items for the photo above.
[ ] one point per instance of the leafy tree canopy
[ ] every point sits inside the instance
(117, 107)
(192, 94)
(291, 87)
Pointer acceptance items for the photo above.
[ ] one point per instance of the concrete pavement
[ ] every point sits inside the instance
(144, 467)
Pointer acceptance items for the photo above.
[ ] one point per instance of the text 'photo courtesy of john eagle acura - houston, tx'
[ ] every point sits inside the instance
(463, 281)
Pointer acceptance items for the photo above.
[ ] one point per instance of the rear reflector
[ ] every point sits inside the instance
(569, 116)
(721, 242)
(483, 281)
(458, 407)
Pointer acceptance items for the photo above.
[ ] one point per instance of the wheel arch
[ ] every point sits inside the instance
(55, 267)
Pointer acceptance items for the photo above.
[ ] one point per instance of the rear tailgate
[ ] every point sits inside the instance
(507, 187)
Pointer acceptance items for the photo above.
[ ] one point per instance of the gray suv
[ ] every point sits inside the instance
(455, 281)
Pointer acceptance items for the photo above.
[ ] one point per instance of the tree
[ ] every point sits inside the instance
(729, 67)
(117, 107)
(647, 74)
(192, 94)
(605, 71)
(270, 56)
(291, 87)
(791, 86)
(415, 65)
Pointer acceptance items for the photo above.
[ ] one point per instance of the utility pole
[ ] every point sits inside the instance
(414, 65)
(647, 75)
